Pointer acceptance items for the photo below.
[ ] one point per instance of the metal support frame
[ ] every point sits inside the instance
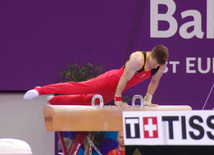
(75, 145)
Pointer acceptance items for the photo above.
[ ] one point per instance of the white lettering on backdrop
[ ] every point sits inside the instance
(196, 23)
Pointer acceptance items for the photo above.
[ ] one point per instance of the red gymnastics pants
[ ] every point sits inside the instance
(81, 93)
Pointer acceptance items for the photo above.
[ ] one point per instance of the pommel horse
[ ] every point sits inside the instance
(59, 118)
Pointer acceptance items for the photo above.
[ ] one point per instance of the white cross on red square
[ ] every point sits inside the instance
(150, 127)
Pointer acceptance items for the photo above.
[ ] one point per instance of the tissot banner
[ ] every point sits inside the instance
(169, 128)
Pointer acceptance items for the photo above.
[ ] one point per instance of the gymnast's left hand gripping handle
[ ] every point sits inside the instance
(101, 100)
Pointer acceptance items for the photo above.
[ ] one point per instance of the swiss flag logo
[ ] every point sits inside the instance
(150, 126)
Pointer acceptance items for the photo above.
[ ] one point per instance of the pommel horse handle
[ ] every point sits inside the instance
(101, 101)
(141, 100)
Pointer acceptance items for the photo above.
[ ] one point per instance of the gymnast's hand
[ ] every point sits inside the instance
(146, 103)
(121, 104)
(153, 105)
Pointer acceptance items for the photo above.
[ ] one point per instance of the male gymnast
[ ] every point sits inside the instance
(140, 66)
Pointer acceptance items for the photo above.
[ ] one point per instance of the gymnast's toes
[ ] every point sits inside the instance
(30, 94)
(50, 97)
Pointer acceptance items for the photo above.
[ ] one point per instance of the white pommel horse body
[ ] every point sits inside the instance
(60, 118)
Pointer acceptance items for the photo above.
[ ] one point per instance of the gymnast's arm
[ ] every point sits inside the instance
(153, 86)
(134, 64)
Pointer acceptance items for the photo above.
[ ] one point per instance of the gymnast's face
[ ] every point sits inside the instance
(120, 139)
(154, 63)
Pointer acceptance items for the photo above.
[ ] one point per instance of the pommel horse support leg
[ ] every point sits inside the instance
(60, 118)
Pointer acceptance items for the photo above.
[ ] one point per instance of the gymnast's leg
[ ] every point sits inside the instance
(81, 99)
(85, 87)
(105, 83)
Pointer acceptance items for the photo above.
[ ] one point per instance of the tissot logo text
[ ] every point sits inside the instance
(132, 127)
(150, 127)
(169, 127)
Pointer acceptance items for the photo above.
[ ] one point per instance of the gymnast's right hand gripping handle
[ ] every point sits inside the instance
(141, 100)
(101, 100)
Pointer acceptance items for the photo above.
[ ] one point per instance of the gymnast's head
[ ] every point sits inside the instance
(160, 54)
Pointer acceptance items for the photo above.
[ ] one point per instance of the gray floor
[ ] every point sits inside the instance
(20, 119)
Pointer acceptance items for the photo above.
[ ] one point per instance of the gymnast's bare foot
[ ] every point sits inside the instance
(30, 94)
